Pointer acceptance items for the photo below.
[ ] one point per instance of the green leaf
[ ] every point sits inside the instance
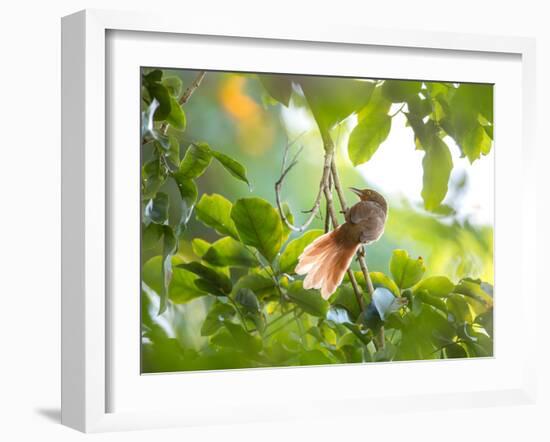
(278, 86)
(161, 286)
(314, 357)
(489, 131)
(189, 193)
(259, 225)
(260, 285)
(482, 347)
(436, 286)
(150, 236)
(473, 289)
(153, 178)
(173, 84)
(161, 94)
(425, 134)
(428, 298)
(453, 351)
(153, 77)
(398, 91)
(458, 308)
(334, 99)
(176, 117)
(379, 279)
(169, 247)
(156, 210)
(174, 150)
(290, 217)
(246, 298)
(424, 334)
(199, 246)
(367, 136)
(229, 252)
(344, 296)
(485, 97)
(309, 301)
(467, 104)
(216, 317)
(385, 354)
(215, 211)
(233, 167)
(406, 271)
(211, 276)
(195, 161)
(289, 258)
(148, 125)
(244, 340)
(437, 164)
(209, 287)
(419, 107)
(377, 105)
(182, 286)
(485, 319)
(476, 142)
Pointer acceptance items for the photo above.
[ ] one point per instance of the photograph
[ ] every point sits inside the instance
(302, 220)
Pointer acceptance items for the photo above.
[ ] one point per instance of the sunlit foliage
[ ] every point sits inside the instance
(218, 283)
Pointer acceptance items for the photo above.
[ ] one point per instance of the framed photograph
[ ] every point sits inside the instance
(258, 224)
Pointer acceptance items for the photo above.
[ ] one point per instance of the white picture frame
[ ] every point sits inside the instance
(87, 233)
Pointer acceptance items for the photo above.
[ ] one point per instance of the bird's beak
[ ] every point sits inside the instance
(357, 191)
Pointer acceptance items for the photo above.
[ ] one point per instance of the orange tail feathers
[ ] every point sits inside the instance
(325, 262)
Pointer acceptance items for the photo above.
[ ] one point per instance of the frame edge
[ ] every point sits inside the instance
(73, 362)
(83, 212)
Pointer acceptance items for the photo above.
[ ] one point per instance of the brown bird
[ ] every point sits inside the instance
(326, 259)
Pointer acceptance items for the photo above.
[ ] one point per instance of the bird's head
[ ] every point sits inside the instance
(369, 195)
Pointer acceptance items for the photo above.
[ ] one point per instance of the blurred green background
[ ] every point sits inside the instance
(233, 113)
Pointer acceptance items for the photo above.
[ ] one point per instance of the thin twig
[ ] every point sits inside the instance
(397, 111)
(279, 185)
(281, 316)
(186, 96)
(191, 89)
(327, 216)
(271, 333)
(241, 316)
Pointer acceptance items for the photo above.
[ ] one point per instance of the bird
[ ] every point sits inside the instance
(327, 258)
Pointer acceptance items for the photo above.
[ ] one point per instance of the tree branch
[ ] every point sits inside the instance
(344, 207)
(191, 89)
(186, 96)
(329, 161)
(379, 339)
(327, 215)
(328, 178)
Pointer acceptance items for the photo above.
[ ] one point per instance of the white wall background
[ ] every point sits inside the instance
(30, 215)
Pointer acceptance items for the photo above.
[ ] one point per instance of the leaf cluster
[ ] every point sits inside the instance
(433, 110)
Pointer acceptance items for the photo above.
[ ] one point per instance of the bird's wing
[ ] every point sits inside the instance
(370, 217)
(372, 228)
(363, 210)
